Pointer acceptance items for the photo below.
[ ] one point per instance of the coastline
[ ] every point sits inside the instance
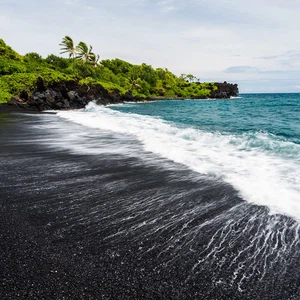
(35, 83)
(66, 95)
(60, 228)
(110, 220)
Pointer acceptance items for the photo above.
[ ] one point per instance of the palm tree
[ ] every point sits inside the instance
(94, 60)
(68, 47)
(133, 82)
(84, 53)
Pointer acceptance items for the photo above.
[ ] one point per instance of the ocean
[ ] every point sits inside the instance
(172, 199)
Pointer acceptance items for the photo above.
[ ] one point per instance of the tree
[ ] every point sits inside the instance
(33, 56)
(84, 53)
(57, 61)
(133, 83)
(68, 47)
(133, 80)
(117, 66)
(95, 60)
(182, 81)
(182, 77)
(190, 77)
(147, 73)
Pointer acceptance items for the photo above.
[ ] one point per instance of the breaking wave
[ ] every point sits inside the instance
(264, 168)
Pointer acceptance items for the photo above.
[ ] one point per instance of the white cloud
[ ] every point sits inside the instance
(166, 5)
(168, 8)
(73, 2)
(212, 33)
(133, 3)
(201, 37)
(242, 69)
(165, 2)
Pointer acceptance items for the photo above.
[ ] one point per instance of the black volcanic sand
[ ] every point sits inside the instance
(6, 108)
(9, 108)
(135, 226)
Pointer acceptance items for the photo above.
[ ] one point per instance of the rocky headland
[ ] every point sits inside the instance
(72, 95)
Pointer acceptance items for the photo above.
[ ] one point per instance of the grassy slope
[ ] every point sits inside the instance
(19, 73)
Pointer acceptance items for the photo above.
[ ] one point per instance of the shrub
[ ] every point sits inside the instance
(58, 62)
(7, 52)
(33, 56)
(15, 83)
(4, 97)
(9, 66)
(111, 87)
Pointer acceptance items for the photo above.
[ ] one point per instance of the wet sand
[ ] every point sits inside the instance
(109, 226)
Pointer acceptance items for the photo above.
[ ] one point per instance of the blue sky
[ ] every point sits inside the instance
(253, 43)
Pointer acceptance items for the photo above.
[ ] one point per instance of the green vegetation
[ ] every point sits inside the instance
(19, 73)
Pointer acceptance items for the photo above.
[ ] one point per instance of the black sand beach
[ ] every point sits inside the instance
(6, 108)
(89, 215)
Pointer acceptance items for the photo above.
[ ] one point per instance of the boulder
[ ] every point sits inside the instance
(66, 103)
(73, 96)
(40, 85)
(24, 95)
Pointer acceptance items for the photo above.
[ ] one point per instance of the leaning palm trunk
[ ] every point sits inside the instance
(73, 64)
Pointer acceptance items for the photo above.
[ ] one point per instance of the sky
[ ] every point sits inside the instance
(255, 43)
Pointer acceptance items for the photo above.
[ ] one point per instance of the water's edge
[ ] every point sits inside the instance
(90, 213)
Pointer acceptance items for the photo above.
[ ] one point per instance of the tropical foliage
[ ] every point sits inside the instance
(82, 64)
(68, 47)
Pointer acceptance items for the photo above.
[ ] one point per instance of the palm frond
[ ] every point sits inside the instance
(82, 48)
(94, 59)
(84, 53)
(67, 46)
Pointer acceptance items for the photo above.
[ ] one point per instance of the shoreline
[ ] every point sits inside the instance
(107, 225)
(9, 108)
(72, 95)
(19, 107)
(13, 108)
(59, 228)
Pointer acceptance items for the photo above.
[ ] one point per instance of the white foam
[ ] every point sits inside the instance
(268, 176)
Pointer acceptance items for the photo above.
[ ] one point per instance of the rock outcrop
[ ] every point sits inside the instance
(225, 90)
(72, 95)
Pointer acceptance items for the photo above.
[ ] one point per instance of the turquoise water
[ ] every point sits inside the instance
(251, 142)
(277, 114)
